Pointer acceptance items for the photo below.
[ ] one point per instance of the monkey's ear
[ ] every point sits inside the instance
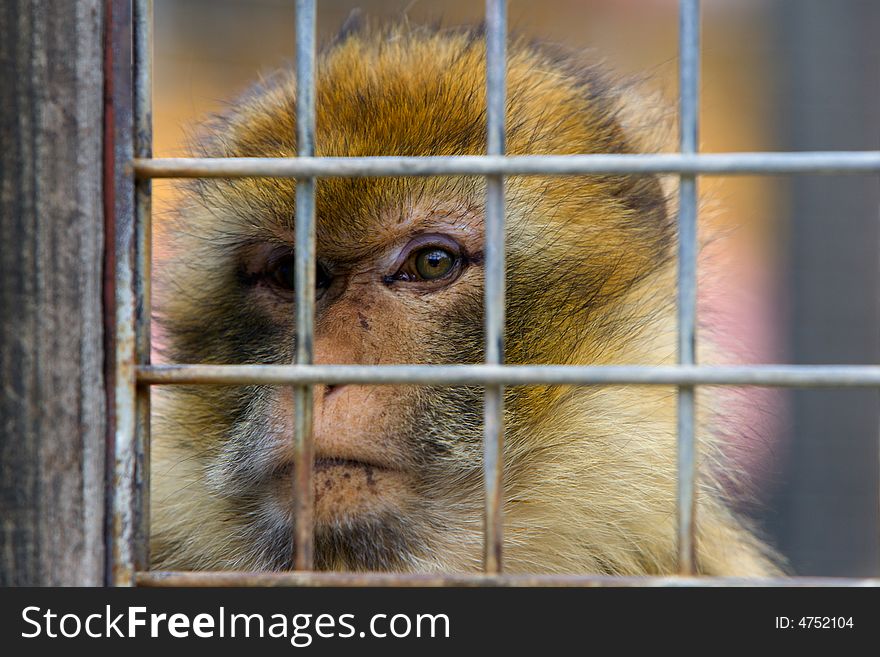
(350, 26)
(646, 116)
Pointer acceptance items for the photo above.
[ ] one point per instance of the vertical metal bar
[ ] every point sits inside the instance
(119, 200)
(689, 62)
(493, 411)
(303, 543)
(143, 147)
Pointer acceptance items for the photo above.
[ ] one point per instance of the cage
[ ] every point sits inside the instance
(130, 169)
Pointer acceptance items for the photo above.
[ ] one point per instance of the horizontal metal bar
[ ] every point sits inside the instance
(169, 579)
(453, 375)
(482, 165)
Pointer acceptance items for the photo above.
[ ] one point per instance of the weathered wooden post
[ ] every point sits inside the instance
(52, 353)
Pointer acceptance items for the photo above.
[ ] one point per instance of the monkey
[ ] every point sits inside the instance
(589, 471)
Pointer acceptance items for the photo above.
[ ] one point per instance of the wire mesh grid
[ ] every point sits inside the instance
(131, 33)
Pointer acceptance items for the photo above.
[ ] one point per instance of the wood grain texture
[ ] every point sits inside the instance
(52, 399)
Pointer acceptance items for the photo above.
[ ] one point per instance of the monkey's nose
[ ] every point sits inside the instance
(325, 396)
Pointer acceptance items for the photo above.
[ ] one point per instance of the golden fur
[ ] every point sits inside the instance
(590, 472)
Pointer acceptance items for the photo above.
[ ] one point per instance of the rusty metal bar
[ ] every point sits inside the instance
(795, 376)
(143, 147)
(199, 579)
(494, 293)
(119, 151)
(704, 164)
(303, 543)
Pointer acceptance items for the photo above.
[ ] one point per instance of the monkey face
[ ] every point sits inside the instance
(383, 453)
(398, 482)
(391, 461)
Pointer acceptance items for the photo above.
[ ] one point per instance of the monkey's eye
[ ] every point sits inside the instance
(281, 273)
(431, 263)
(434, 263)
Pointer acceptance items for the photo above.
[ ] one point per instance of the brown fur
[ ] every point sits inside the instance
(590, 472)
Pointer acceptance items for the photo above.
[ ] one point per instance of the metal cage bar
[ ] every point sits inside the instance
(121, 246)
(143, 147)
(494, 289)
(304, 278)
(231, 578)
(689, 107)
(705, 164)
(130, 535)
(790, 376)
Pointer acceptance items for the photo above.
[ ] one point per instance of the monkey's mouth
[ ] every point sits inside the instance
(346, 488)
